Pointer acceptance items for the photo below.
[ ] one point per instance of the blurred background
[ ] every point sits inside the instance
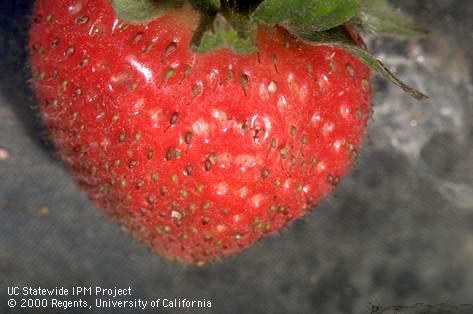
(398, 230)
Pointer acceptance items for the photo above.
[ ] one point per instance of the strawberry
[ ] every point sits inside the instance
(203, 128)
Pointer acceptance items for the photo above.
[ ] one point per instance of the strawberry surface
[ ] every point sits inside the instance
(197, 155)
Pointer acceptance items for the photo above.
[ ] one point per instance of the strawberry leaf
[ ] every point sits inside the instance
(140, 11)
(310, 15)
(208, 7)
(378, 17)
(225, 30)
(340, 38)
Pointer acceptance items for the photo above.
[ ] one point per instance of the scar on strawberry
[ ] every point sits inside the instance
(202, 126)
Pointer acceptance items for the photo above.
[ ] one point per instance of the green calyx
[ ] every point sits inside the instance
(377, 17)
(310, 15)
(339, 37)
(141, 11)
(229, 29)
(233, 24)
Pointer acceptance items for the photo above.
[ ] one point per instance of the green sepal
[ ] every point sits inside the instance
(208, 7)
(340, 38)
(225, 30)
(230, 24)
(380, 18)
(310, 15)
(141, 11)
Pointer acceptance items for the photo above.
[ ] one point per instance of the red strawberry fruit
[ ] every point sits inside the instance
(202, 126)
